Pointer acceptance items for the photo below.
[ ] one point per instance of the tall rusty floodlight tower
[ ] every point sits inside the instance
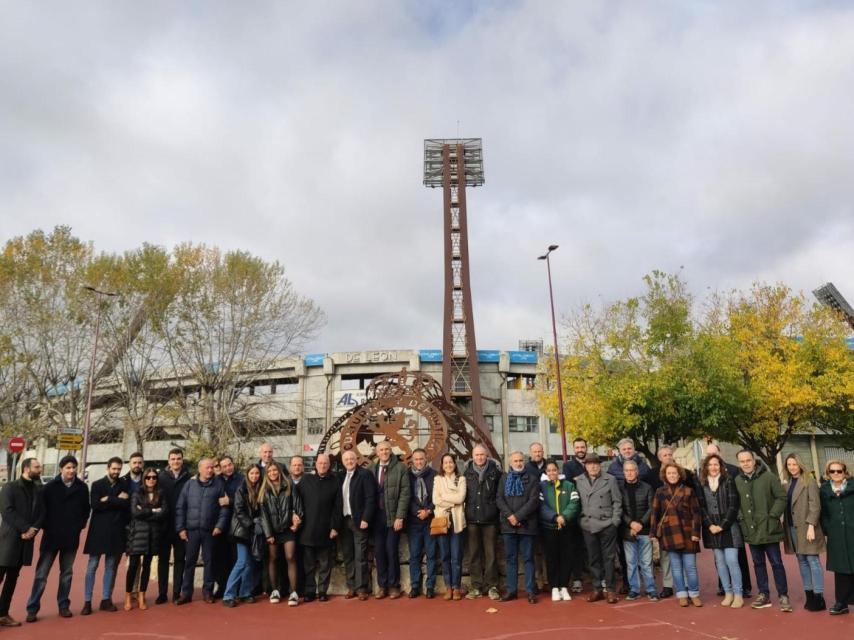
(454, 165)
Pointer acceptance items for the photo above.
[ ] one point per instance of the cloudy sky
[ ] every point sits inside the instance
(713, 136)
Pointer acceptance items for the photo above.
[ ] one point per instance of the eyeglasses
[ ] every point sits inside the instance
(151, 477)
(836, 471)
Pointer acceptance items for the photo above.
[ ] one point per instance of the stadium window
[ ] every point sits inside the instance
(315, 426)
(524, 424)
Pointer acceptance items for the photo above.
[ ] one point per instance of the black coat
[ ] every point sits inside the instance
(572, 468)
(66, 513)
(198, 506)
(363, 495)
(110, 517)
(728, 504)
(643, 507)
(244, 515)
(21, 507)
(278, 509)
(321, 501)
(481, 506)
(526, 507)
(147, 527)
(534, 471)
(416, 505)
(171, 487)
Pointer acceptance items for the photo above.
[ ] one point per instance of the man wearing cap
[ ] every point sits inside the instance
(601, 510)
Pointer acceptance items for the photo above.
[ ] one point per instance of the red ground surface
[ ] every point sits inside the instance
(409, 619)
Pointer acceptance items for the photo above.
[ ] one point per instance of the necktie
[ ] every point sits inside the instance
(382, 475)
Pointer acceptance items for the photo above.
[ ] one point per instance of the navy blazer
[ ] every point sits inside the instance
(363, 495)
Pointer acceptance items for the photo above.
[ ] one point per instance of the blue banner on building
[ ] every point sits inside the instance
(488, 356)
(523, 357)
(314, 359)
(430, 355)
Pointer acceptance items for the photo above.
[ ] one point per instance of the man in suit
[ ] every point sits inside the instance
(359, 501)
(107, 534)
(66, 504)
(22, 514)
(601, 512)
(171, 482)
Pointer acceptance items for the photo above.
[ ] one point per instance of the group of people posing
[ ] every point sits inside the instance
(275, 525)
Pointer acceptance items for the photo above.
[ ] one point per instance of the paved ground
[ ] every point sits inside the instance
(405, 619)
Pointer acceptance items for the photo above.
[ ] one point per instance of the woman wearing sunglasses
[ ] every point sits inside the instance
(837, 500)
(148, 516)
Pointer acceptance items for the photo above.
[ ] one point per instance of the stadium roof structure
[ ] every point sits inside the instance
(828, 294)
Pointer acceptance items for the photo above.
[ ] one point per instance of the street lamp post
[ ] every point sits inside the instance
(545, 257)
(91, 382)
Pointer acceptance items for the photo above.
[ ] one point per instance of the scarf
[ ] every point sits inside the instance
(480, 470)
(713, 483)
(420, 485)
(513, 484)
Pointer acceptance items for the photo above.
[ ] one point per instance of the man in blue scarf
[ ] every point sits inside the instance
(518, 502)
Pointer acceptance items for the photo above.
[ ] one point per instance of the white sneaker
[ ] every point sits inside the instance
(275, 596)
(577, 587)
(555, 595)
(293, 599)
(564, 594)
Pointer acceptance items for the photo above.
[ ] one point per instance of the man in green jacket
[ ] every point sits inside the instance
(763, 502)
(392, 477)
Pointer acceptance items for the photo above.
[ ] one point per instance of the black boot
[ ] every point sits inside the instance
(809, 605)
(818, 602)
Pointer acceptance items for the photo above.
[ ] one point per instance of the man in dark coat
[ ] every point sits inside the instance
(66, 504)
(421, 476)
(573, 468)
(359, 504)
(536, 464)
(763, 501)
(199, 518)
(392, 479)
(107, 534)
(518, 503)
(322, 522)
(171, 481)
(637, 511)
(133, 478)
(22, 514)
(225, 549)
(482, 479)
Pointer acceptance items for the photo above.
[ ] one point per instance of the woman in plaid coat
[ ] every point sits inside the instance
(677, 524)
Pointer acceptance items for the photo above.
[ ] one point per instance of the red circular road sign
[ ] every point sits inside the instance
(17, 445)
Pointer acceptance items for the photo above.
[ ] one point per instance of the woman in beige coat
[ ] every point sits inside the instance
(803, 534)
(449, 496)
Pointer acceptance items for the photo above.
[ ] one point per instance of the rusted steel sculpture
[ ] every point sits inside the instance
(409, 410)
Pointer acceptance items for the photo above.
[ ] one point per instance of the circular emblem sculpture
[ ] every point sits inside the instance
(391, 411)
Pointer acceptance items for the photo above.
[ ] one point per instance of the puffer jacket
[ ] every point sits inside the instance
(147, 526)
(198, 506)
(481, 506)
(243, 518)
(278, 509)
(643, 497)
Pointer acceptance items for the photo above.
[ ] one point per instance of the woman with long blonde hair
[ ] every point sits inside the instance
(281, 516)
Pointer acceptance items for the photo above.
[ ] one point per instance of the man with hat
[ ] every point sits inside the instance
(601, 509)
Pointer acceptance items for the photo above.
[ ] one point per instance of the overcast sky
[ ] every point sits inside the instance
(714, 136)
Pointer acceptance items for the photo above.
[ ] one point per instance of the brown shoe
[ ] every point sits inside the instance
(381, 593)
(209, 599)
(9, 621)
(128, 601)
(362, 595)
(393, 593)
(350, 594)
(695, 600)
(683, 602)
(596, 596)
(140, 601)
(457, 594)
(612, 598)
(449, 593)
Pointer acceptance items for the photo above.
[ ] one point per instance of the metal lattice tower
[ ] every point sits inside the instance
(453, 165)
(829, 295)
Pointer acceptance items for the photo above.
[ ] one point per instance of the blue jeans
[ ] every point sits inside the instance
(110, 565)
(241, 580)
(758, 553)
(421, 542)
(66, 566)
(639, 560)
(686, 562)
(198, 540)
(729, 571)
(451, 545)
(812, 575)
(513, 543)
